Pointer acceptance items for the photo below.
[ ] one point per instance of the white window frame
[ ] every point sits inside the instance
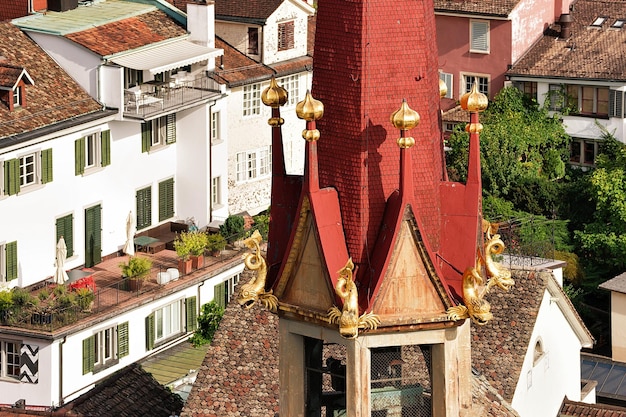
(215, 127)
(254, 164)
(35, 164)
(168, 321)
(4, 358)
(251, 100)
(229, 286)
(479, 36)
(468, 80)
(158, 133)
(291, 83)
(216, 191)
(93, 150)
(105, 346)
(449, 80)
(17, 96)
(286, 36)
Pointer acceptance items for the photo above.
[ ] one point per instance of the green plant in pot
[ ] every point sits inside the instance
(197, 244)
(137, 269)
(215, 243)
(85, 298)
(183, 247)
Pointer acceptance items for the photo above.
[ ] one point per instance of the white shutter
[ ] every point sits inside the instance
(479, 36)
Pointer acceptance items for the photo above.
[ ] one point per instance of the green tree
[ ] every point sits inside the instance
(208, 322)
(520, 142)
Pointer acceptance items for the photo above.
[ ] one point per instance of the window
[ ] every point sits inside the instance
(584, 100)
(599, 21)
(10, 359)
(529, 88)
(616, 103)
(479, 36)
(253, 41)
(584, 151)
(216, 193)
(132, 77)
(215, 127)
(168, 321)
(26, 170)
(105, 347)
(618, 24)
(65, 228)
(144, 207)
(285, 35)
(166, 199)
(158, 132)
(17, 96)
(254, 164)
(482, 82)
(8, 261)
(92, 151)
(222, 292)
(292, 85)
(252, 100)
(447, 78)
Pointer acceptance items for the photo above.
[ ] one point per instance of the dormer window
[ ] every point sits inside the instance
(598, 22)
(285, 36)
(253, 41)
(618, 24)
(13, 81)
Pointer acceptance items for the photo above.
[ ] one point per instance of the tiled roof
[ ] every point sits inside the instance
(130, 392)
(477, 7)
(13, 8)
(589, 53)
(9, 75)
(577, 409)
(499, 347)
(252, 9)
(238, 68)
(617, 284)
(127, 34)
(53, 98)
(487, 402)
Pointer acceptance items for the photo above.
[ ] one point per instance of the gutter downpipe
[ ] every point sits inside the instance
(61, 401)
(210, 164)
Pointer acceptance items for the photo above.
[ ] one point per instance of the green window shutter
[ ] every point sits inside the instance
(166, 199)
(93, 235)
(219, 294)
(11, 260)
(170, 136)
(144, 207)
(105, 148)
(46, 166)
(88, 354)
(79, 156)
(11, 176)
(150, 332)
(122, 340)
(65, 228)
(191, 314)
(146, 130)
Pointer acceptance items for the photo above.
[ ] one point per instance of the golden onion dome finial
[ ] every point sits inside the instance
(443, 88)
(405, 118)
(309, 109)
(474, 101)
(274, 95)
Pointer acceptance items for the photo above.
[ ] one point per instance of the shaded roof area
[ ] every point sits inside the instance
(129, 392)
(53, 98)
(9, 75)
(499, 348)
(252, 9)
(239, 376)
(127, 34)
(591, 52)
(610, 375)
(13, 8)
(237, 68)
(477, 7)
(578, 409)
(617, 284)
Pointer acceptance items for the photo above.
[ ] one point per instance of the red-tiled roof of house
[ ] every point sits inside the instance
(578, 409)
(477, 7)
(252, 9)
(127, 34)
(9, 75)
(54, 97)
(12, 9)
(591, 52)
(237, 68)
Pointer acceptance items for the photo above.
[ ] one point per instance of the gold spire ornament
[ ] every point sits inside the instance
(403, 119)
(274, 96)
(475, 287)
(348, 318)
(474, 102)
(254, 290)
(443, 88)
(310, 110)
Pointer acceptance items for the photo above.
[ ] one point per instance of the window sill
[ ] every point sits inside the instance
(92, 170)
(100, 368)
(476, 51)
(30, 188)
(217, 141)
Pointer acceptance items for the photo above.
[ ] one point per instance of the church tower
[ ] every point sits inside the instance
(376, 264)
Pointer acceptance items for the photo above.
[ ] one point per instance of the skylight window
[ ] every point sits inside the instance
(618, 24)
(598, 22)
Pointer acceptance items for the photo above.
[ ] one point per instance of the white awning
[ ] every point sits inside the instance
(167, 57)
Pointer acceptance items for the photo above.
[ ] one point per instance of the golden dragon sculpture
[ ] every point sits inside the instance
(475, 287)
(254, 290)
(348, 318)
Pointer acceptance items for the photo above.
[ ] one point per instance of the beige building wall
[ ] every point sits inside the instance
(618, 327)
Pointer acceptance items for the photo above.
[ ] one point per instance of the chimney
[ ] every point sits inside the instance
(62, 5)
(565, 21)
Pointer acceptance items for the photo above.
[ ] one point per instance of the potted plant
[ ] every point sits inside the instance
(136, 269)
(215, 243)
(197, 244)
(183, 250)
(85, 298)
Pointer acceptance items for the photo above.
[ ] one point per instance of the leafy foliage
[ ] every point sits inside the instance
(136, 267)
(233, 228)
(208, 322)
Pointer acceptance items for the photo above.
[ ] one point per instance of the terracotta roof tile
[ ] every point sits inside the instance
(12, 9)
(252, 9)
(499, 347)
(589, 53)
(127, 34)
(239, 69)
(9, 75)
(53, 98)
(477, 7)
(578, 409)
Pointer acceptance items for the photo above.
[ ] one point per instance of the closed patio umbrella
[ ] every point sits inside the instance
(60, 276)
(129, 246)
